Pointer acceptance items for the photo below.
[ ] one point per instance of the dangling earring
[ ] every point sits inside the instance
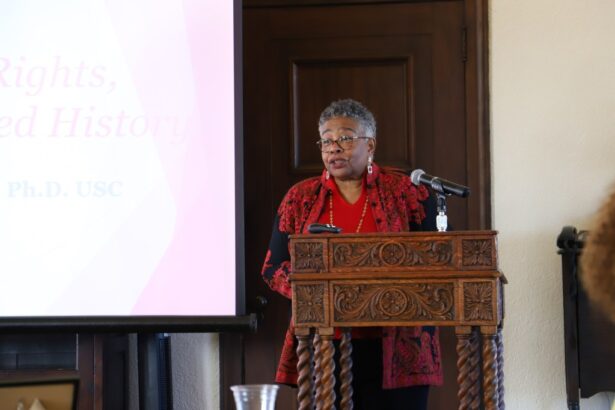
(370, 169)
(327, 175)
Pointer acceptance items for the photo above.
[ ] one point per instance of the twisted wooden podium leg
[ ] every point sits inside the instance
(304, 367)
(317, 387)
(476, 370)
(490, 376)
(325, 398)
(468, 372)
(500, 362)
(346, 371)
(463, 367)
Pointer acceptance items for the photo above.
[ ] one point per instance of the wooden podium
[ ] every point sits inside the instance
(401, 279)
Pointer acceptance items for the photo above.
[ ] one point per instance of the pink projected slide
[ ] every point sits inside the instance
(117, 158)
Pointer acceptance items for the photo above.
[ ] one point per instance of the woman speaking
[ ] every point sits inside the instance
(393, 366)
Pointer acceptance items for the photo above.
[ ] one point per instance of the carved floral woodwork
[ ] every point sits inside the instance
(310, 303)
(391, 253)
(459, 279)
(477, 252)
(478, 301)
(309, 256)
(378, 302)
(402, 252)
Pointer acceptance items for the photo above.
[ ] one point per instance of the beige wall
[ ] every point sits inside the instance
(195, 364)
(553, 153)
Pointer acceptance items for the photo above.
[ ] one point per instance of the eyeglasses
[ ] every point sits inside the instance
(344, 142)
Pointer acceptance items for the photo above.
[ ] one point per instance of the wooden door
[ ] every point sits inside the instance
(406, 61)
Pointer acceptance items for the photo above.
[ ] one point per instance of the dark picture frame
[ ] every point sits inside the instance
(54, 394)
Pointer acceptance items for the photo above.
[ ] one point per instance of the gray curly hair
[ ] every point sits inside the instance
(351, 109)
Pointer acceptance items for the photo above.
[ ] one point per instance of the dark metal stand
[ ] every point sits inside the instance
(155, 388)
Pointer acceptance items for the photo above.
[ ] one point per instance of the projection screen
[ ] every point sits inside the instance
(120, 158)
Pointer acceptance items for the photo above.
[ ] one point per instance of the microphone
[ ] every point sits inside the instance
(418, 176)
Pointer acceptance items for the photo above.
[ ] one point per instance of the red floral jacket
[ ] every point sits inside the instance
(411, 355)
